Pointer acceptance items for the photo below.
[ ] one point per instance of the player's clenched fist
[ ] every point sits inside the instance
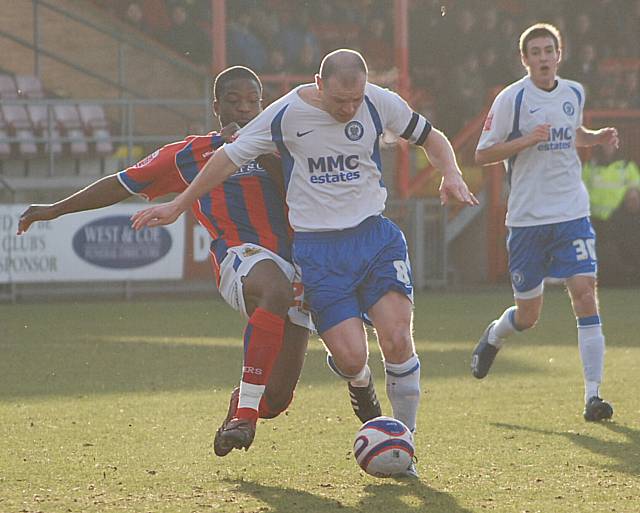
(540, 133)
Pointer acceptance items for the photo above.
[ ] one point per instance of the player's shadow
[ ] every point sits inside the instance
(626, 453)
(381, 496)
(83, 365)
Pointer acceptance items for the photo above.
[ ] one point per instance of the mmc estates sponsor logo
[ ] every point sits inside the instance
(111, 242)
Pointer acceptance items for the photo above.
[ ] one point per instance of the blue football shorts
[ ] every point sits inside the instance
(344, 273)
(558, 250)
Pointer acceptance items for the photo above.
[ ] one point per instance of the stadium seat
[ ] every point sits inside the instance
(68, 120)
(29, 86)
(96, 124)
(17, 120)
(8, 88)
(40, 122)
(5, 147)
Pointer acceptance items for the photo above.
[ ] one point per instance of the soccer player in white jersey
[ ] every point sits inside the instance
(354, 261)
(534, 127)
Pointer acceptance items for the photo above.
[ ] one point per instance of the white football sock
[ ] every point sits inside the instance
(359, 380)
(362, 378)
(591, 345)
(403, 389)
(504, 327)
(250, 395)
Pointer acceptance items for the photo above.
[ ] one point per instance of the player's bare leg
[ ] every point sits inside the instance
(268, 294)
(392, 317)
(278, 393)
(280, 388)
(591, 342)
(524, 315)
(347, 358)
(362, 392)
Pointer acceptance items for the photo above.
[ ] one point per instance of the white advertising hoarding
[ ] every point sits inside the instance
(97, 245)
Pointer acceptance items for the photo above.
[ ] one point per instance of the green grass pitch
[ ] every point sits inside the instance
(112, 406)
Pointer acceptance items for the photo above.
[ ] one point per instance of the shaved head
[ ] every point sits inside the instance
(346, 65)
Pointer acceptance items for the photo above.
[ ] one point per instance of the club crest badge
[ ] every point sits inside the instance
(568, 108)
(354, 130)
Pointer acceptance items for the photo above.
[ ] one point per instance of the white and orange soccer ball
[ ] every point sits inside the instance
(383, 447)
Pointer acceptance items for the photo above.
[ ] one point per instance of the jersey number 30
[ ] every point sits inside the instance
(585, 248)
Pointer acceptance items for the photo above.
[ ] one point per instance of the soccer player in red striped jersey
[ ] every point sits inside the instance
(250, 251)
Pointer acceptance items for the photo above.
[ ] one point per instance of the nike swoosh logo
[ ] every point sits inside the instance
(300, 134)
(533, 111)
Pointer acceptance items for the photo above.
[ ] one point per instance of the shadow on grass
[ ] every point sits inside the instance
(80, 366)
(385, 496)
(626, 453)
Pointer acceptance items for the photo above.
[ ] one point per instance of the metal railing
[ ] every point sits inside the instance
(128, 112)
(121, 40)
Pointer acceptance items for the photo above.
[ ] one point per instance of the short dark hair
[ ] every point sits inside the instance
(339, 61)
(540, 30)
(233, 73)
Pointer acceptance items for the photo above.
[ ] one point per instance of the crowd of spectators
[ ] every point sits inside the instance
(460, 50)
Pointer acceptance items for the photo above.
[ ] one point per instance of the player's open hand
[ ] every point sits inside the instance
(159, 215)
(35, 213)
(452, 184)
(609, 136)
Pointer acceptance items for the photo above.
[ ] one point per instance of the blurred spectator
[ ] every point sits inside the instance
(277, 62)
(187, 38)
(377, 46)
(468, 90)
(489, 33)
(331, 27)
(493, 70)
(582, 33)
(607, 180)
(299, 43)
(621, 265)
(133, 15)
(629, 92)
(465, 31)
(583, 68)
(289, 36)
(243, 46)
(309, 59)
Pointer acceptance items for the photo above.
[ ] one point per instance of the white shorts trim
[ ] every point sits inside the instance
(539, 290)
(238, 263)
(529, 294)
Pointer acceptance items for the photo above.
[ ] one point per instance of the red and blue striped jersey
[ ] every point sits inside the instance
(246, 207)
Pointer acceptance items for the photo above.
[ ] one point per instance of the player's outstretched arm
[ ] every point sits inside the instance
(604, 136)
(101, 193)
(214, 172)
(443, 158)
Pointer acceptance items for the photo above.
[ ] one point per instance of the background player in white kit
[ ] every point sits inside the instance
(353, 260)
(535, 126)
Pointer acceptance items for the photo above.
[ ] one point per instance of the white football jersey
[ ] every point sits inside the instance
(332, 170)
(545, 180)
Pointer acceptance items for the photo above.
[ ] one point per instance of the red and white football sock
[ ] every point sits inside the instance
(262, 342)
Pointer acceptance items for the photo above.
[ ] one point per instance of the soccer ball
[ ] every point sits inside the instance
(383, 447)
